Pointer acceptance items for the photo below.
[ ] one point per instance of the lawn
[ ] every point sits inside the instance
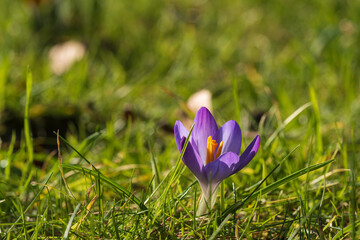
(87, 146)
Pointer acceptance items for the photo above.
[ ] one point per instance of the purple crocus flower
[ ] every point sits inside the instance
(212, 153)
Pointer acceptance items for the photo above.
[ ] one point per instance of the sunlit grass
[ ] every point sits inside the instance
(286, 71)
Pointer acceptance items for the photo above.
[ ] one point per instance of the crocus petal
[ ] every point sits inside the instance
(221, 168)
(230, 134)
(193, 161)
(180, 131)
(205, 126)
(249, 153)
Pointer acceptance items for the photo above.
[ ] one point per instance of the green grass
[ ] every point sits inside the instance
(288, 71)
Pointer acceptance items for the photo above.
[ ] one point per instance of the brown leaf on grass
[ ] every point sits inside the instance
(63, 56)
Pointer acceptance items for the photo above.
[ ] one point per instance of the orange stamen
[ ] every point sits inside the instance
(218, 152)
(208, 153)
(210, 150)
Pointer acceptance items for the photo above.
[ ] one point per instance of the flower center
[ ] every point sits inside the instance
(211, 148)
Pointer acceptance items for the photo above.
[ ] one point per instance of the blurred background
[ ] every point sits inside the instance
(107, 64)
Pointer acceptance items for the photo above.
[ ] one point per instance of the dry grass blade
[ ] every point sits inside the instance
(60, 165)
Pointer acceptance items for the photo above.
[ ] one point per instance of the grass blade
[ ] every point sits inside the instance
(291, 177)
(68, 227)
(116, 186)
(73, 148)
(277, 184)
(346, 230)
(175, 173)
(319, 144)
(286, 122)
(27, 132)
